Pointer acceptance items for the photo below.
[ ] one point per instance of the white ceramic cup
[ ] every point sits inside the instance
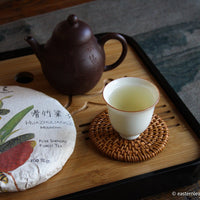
(130, 123)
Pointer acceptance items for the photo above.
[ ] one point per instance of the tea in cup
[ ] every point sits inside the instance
(131, 102)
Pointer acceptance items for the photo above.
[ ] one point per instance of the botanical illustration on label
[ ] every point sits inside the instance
(16, 151)
(37, 136)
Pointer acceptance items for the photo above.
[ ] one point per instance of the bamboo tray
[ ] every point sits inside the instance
(88, 173)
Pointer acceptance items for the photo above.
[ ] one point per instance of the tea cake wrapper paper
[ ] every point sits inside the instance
(37, 136)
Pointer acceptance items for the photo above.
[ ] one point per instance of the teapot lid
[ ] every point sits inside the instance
(73, 31)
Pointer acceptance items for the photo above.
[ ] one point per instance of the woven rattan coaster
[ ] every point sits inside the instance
(152, 141)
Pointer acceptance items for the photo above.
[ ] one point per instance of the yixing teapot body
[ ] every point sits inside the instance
(73, 60)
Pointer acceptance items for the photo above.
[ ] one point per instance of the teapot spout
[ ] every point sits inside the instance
(37, 48)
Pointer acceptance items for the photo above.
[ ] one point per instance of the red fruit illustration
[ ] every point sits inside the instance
(16, 156)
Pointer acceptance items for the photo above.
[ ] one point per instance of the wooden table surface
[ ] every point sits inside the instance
(12, 10)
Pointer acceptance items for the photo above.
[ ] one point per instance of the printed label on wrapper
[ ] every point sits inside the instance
(37, 136)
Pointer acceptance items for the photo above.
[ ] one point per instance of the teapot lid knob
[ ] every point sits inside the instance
(72, 31)
(72, 19)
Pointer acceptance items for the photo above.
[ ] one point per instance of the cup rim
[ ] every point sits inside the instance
(148, 108)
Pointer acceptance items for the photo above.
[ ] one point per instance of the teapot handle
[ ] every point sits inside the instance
(122, 40)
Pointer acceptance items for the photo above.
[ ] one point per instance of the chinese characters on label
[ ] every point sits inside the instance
(49, 119)
(46, 113)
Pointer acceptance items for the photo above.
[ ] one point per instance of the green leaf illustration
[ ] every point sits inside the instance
(6, 130)
(4, 111)
(15, 141)
(4, 179)
(1, 102)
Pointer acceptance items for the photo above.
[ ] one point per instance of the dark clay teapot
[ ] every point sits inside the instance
(73, 60)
